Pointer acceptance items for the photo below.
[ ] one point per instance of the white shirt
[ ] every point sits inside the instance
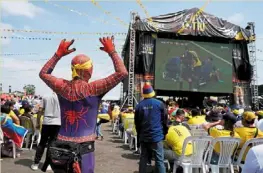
(254, 160)
(52, 110)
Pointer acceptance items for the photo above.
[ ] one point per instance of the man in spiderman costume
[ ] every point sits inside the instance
(79, 100)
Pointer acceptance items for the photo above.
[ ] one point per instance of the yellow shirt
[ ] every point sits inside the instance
(175, 139)
(196, 120)
(198, 63)
(104, 116)
(247, 133)
(215, 133)
(115, 113)
(12, 115)
(22, 111)
(127, 115)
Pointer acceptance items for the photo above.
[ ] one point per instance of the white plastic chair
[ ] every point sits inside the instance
(115, 125)
(133, 138)
(200, 145)
(195, 126)
(127, 137)
(198, 132)
(250, 143)
(38, 134)
(14, 149)
(228, 148)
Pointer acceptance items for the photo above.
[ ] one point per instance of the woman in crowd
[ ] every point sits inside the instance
(11, 131)
(12, 114)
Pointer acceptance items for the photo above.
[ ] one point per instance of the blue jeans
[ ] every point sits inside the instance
(157, 150)
(98, 130)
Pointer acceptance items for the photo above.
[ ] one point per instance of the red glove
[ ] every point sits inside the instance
(108, 44)
(63, 48)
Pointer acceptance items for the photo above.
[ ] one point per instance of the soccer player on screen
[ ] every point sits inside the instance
(173, 68)
(210, 72)
(191, 70)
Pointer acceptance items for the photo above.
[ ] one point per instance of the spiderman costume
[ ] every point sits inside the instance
(79, 100)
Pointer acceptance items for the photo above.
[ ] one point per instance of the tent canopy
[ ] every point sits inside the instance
(192, 22)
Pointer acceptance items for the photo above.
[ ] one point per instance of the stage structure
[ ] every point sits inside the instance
(253, 60)
(223, 55)
(130, 94)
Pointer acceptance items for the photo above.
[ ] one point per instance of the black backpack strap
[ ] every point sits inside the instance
(256, 134)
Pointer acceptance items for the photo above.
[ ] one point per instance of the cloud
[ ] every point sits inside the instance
(26, 9)
(6, 26)
(27, 27)
(236, 18)
(17, 73)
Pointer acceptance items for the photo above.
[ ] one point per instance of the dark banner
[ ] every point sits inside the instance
(240, 57)
(145, 56)
(195, 23)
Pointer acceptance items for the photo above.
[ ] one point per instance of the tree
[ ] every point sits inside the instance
(30, 89)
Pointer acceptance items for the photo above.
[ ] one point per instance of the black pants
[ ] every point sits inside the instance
(48, 134)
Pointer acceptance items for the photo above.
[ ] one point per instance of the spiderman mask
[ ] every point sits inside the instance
(82, 67)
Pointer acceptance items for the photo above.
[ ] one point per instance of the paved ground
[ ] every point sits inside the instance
(111, 157)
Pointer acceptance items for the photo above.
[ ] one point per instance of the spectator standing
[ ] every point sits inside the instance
(50, 127)
(151, 121)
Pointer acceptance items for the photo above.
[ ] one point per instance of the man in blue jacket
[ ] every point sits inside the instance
(151, 126)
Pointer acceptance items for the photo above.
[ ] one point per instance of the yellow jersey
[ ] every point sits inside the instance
(22, 111)
(12, 115)
(215, 133)
(247, 133)
(175, 139)
(196, 120)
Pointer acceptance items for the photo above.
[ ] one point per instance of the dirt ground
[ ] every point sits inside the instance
(112, 156)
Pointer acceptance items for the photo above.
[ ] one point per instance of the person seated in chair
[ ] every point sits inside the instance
(174, 140)
(196, 118)
(227, 121)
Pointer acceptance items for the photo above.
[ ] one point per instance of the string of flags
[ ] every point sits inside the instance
(17, 54)
(42, 38)
(79, 13)
(96, 4)
(149, 18)
(63, 33)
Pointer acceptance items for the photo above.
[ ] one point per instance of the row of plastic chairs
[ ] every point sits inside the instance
(127, 137)
(203, 148)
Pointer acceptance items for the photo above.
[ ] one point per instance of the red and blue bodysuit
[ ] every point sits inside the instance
(79, 100)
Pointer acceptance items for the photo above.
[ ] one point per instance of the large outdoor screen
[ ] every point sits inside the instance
(193, 66)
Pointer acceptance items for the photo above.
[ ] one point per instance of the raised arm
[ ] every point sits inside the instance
(102, 86)
(45, 74)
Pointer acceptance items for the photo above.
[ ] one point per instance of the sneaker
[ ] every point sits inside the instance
(101, 138)
(34, 167)
(49, 168)
(137, 152)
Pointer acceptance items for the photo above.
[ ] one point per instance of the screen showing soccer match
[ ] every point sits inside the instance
(193, 66)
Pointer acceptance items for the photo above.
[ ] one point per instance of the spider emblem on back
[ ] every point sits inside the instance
(73, 117)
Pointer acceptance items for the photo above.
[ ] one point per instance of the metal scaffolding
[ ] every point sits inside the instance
(253, 60)
(130, 95)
